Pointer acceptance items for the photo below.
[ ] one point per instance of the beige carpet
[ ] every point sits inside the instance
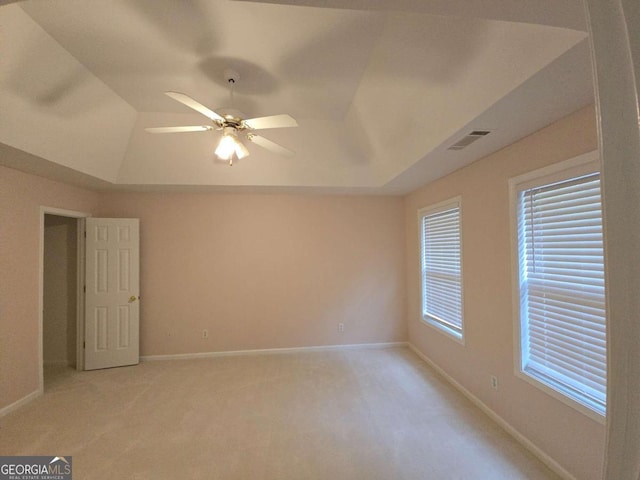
(357, 414)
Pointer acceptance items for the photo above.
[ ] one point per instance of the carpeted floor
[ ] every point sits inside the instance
(354, 414)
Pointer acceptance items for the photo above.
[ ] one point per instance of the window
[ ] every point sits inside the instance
(441, 267)
(561, 285)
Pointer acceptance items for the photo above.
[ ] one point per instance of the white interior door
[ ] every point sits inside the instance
(112, 307)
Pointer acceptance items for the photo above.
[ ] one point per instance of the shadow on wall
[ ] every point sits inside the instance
(60, 290)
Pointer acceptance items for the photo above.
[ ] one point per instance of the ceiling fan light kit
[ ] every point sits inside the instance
(230, 145)
(231, 126)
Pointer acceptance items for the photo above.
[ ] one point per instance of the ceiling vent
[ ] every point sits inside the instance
(469, 139)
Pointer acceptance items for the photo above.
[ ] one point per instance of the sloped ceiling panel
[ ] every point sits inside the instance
(54, 107)
(429, 75)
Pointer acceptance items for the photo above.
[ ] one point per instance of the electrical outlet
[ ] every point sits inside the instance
(341, 327)
(494, 382)
(205, 333)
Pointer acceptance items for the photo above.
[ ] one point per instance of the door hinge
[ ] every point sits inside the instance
(85, 234)
(84, 344)
(84, 289)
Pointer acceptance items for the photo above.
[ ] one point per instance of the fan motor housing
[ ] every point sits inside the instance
(232, 122)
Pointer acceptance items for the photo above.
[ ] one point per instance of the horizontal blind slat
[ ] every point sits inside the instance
(562, 286)
(441, 270)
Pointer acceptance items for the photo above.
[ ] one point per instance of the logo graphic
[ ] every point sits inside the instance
(35, 468)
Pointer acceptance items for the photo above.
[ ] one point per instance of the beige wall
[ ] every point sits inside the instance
(266, 271)
(569, 437)
(59, 290)
(257, 271)
(21, 196)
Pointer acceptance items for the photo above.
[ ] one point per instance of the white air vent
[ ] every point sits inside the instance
(469, 139)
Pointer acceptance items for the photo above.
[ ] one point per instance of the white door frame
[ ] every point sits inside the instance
(80, 216)
(615, 50)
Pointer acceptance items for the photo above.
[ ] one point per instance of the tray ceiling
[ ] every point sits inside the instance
(379, 93)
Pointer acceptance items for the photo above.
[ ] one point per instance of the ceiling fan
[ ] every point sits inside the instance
(232, 127)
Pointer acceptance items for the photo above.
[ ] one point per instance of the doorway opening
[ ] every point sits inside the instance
(61, 297)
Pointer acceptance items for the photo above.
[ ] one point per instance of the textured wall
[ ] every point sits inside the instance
(571, 438)
(21, 196)
(266, 271)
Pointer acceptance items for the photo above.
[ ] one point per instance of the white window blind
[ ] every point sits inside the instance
(562, 297)
(441, 269)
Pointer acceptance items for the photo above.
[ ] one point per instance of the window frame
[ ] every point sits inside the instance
(581, 165)
(455, 202)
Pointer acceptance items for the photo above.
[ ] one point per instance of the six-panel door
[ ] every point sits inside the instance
(112, 306)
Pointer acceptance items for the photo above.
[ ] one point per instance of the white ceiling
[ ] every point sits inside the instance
(380, 90)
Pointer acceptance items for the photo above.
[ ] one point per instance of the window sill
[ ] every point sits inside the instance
(443, 329)
(576, 405)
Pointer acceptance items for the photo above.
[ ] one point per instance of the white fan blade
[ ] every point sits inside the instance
(273, 121)
(269, 145)
(198, 107)
(193, 128)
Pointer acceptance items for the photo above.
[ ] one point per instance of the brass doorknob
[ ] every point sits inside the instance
(132, 298)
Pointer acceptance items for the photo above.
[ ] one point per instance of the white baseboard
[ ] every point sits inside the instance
(272, 351)
(19, 403)
(524, 441)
